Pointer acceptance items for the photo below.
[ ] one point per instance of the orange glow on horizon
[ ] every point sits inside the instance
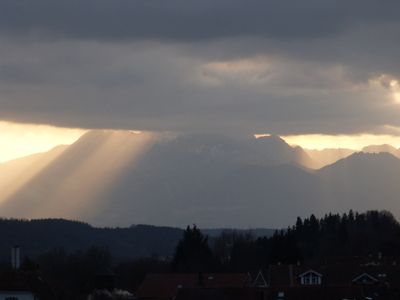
(75, 193)
(19, 140)
(353, 142)
(325, 141)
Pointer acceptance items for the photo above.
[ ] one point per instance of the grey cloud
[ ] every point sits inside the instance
(153, 65)
(188, 19)
(158, 87)
(168, 96)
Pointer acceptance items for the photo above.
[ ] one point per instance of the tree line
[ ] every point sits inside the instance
(310, 239)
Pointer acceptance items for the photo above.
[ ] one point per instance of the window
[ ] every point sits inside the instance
(314, 279)
(306, 280)
(311, 279)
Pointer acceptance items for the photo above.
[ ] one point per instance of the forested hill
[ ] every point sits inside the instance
(36, 237)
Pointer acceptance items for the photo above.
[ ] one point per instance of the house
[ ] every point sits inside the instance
(260, 280)
(359, 280)
(17, 295)
(315, 292)
(340, 274)
(334, 281)
(295, 275)
(166, 286)
(286, 293)
(365, 279)
(310, 277)
(235, 293)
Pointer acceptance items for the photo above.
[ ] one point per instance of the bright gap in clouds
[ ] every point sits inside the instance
(18, 140)
(354, 142)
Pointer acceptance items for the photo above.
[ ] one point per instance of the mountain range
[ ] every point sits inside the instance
(119, 178)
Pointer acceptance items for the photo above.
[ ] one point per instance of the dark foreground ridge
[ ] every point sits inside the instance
(36, 237)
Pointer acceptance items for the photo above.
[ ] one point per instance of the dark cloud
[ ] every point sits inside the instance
(231, 66)
(189, 19)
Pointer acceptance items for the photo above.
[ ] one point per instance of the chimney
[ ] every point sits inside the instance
(16, 257)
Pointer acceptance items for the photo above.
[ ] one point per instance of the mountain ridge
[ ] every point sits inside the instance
(119, 178)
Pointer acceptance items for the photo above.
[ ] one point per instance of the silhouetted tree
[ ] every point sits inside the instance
(244, 253)
(192, 253)
(351, 234)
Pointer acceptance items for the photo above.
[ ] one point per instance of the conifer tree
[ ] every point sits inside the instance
(192, 253)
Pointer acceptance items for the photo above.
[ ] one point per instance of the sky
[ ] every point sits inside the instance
(19, 140)
(317, 72)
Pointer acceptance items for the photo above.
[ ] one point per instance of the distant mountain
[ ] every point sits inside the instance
(265, 151)
(256, 232)
(214, 195)
(16, 173)
(68, 183)
(277, 151)
(209, 181)
(116, 178)
(321, 158)
(382, 148)
(119, 178)
(363, 180)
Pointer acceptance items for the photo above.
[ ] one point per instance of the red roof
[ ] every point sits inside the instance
(221, 294)
(166, 286)
(25, 281)
(288, 293)
(316, 292)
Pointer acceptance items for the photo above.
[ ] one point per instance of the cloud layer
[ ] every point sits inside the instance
(227, 66)
(191, 20)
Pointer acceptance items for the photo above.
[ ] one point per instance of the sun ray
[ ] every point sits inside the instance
(18, 140)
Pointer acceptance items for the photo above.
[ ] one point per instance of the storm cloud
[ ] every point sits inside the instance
(231, 66)
(190, 20)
